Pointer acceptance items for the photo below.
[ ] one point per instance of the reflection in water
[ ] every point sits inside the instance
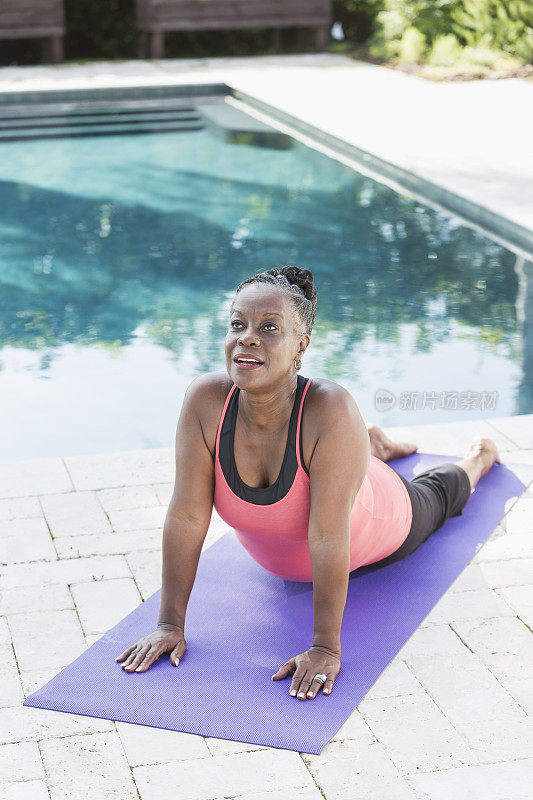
(524, 304)
(119, 257)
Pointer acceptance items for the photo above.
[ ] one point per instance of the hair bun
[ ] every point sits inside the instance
(302, 278)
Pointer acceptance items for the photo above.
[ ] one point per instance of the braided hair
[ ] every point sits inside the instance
(298, 283)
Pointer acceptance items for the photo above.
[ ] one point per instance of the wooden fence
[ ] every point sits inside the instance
(27, 19)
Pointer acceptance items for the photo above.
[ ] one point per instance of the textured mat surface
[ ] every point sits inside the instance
(243, 623)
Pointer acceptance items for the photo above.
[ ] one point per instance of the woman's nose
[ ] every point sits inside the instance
(247, 338)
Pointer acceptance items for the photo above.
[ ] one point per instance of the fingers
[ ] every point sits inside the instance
(126, 653)
(140, 658)
(308, 686)
(297, 683)
(284, 670)
(177, 654)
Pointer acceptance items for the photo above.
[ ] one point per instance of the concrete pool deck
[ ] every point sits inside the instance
(452, 715)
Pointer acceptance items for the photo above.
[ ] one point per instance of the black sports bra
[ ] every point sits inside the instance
(267, 494)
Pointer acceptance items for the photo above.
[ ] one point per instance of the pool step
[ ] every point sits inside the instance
(45, 122)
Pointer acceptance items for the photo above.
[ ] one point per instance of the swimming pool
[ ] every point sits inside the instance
(120, 254)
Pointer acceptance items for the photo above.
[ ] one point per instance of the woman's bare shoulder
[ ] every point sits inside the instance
(324, 395)
(211, 390)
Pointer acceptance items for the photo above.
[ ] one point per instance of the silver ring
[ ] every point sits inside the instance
(321, 677)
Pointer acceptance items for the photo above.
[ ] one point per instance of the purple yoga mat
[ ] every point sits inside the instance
(243, 623)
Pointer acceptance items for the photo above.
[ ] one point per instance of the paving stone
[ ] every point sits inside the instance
(499, 739)
(33, 477)
(415, 733)
(146, 568)
(87, 767)
(450, 438)
(5, 633)
(165, 491)
(433, 640)
(20, 762)
(23, 723)
(26, 540)
(146, 745)
(128, 497)
(130, 519)
(463, 688)
(522, 692)
(506, 547)
(510, 781)
(25, 790)
(504, 644)
(230, 775)
(355, 727)
(520, 457)
(474, 604)
(130, 468)
(469, 579)
(64, 571)
(48, 638)
(395, 680)
(103, 604)
(10, 686)
(356, 769)
(35, 679)
(108, 543)
(54, 597)
(494, 574)
(520, 517)
(520, 599)
(20, 508)
(226, 747)
(74, 514)
(518, 428)
(307, 793)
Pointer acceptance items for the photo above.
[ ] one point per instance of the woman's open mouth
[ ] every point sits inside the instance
(247, 363)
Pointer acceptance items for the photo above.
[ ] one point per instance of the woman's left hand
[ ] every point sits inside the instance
(305, 666)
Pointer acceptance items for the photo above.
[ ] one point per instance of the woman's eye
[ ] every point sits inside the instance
(236, 322)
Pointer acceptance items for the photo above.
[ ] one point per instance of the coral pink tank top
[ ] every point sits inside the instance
(272, 522)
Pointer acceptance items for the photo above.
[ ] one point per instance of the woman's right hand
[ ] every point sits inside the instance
(165, 639)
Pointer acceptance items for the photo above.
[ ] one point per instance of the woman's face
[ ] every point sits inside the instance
(262, 325)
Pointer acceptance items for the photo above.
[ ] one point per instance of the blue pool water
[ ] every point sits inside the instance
(120, 255)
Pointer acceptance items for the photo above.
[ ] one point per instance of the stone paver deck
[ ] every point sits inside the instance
(452, 715)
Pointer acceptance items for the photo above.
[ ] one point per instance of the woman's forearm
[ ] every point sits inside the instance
(182, 547)
(330, 560)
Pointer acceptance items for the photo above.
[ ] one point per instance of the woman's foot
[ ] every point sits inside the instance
(384, 448)
(480, 457)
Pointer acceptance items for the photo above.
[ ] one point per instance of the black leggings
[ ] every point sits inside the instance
(436, 494)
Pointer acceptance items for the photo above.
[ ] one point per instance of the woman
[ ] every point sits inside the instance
(309, 501)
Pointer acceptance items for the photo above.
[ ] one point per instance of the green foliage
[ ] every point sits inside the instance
(505, 25)
(412, 46)
(445, 52)
(486, 29)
